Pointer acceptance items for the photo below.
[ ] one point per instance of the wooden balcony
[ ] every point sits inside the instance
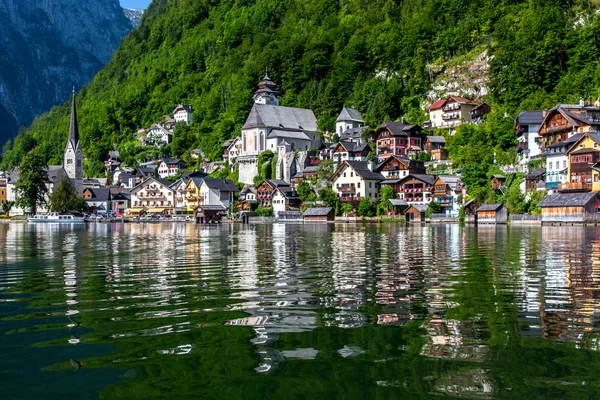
(575, 187)
(346, 189)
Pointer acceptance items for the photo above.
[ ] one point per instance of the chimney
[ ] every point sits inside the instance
(581, 102)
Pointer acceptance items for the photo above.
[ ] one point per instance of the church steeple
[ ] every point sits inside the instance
(267, 93)
(73, 161)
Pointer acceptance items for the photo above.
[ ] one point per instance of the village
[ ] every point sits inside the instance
(288, 170)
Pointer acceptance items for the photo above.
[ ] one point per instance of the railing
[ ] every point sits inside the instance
(350, 198)
(575, 187)
(346, 189)
(554, 128)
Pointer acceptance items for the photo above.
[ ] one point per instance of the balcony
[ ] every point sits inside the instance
(350, 198)
(450, 116)
(575, 187)
(451, 107)
(346, 189)
(554, 128)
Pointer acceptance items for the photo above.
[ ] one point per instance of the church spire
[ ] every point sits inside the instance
(74, 128)
(267, 91)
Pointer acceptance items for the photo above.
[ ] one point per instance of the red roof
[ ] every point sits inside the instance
(437, 104)
(440, 103)
(459, 99)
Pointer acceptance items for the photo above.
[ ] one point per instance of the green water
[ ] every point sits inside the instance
(145, 311)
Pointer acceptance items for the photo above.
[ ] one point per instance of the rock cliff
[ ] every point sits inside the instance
(134, 15)
(49, 46)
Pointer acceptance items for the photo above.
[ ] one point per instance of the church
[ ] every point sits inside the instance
(270, 126)
(73, 158)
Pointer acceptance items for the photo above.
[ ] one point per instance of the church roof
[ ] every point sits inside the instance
(266, 87)
(277, 117)
(350, 114)
(277, 133)
(74, 127)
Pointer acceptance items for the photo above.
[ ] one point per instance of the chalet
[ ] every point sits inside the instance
(582, 157)
(564, 120)
(319, 214)
(231, 150)
(415, 213)
(556, 162)
(446, 191)
(217, 192)
(533, 178)
(266, 190)
(570, 207)
(395, 167)
(349, 151)
(183, 113)
(498, 181)
(158, 135)
(97, 199)
(247, 198)
(478, 112)
(413, 188)
(170, 167)
(492, 214)
(449, 113)
(324, 150)
(434, 145)
(305, 175)
(398, 139)
(355, 180)
(193, 197)
(153, 195)
(285, 198)
(527, 125)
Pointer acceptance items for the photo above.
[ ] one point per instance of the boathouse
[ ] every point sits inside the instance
(570, 207)
(319, 214)
(210, 214)
(492, 214)
(415, 213)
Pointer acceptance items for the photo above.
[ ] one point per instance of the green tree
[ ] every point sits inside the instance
(366, 208)
(264, 211)
(328, 197)
(347, 208)
(7, 205)
(31, 185)
(304, 191)
(65, 198)
(385, 193)
(433, 208)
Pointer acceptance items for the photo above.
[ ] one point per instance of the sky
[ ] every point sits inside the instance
(135, 3)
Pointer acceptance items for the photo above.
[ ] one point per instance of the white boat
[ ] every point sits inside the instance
(55, 218)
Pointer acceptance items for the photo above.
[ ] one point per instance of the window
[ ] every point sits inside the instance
(344, 174)
(69, 161)
(564, 163)
(351, 174)
(370, 184)
(358, 185)
(557, 165)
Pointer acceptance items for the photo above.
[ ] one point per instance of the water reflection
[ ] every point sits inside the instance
(307, 310)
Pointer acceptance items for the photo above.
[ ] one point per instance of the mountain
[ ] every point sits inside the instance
(379, 56)
(49, 47)
(134, 15)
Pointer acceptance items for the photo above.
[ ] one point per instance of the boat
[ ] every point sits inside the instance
(55, 218)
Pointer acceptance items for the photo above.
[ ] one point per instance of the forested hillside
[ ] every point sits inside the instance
(372, 55)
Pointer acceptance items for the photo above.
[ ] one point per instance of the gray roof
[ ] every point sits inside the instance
(276, 182)
(567, 199)
(350, 114)
(172, 160)
(430, 179)
(534, 117)
(222, 185)
(398, 202)
(98, 194)
(490, 207)
(212, 208)
(277, 117)
(362, 169)
(317, 212)
(278, 133)
(400, 129)
(536, 174)
(420, 207)
(352, 147)
(185, 107)
(436, 139)
(353, 133)
(584, 151)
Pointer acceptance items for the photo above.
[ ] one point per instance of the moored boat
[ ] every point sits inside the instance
(55, 218)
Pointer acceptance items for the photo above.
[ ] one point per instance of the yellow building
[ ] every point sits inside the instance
(192, 194)
(3, 190)
(582, 157)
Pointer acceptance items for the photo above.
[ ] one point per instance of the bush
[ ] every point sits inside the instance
(264, 212)
(433, 208)
(366, 208)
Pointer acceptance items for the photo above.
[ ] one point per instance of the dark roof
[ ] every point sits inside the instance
(490, 207)
(430, 179)
(567, 199)
(353, 133)
(185, 107)
(584, 151)
(172, 160)
(288, 192)
(74, 127)
(419, 207)
(350, 114)
(400, 129)
(279, 117)
(212, 208)
(534, 117)
(274, 183)
(98, 194)
(222, 185)
(317, 212)
(362, 169)
(398, 202)
(536, 174)
(352, 147)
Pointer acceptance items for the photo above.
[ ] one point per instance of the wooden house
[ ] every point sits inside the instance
(206, 214)
(396, 206)
(570, 207)
(414, 188)
(478, 112)
(564, 120)
(582, 156)
(266, 190)
(498, 181)
(398, 139)
(415, 213)
(533, 178)
(396, 167)
(492, 214)
(319, 214)
(434, 145)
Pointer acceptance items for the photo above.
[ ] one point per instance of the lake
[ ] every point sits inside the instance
(148, 311)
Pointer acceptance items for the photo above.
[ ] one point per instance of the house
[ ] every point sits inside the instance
(570, 207)
(217, 192)
(56, 173)
(196, 154)
(269, 124)
(3, 190)
(266, 190)
(207, 214)
(231, 150)
(446, 191)
(170, 167)
(349, 118)
(319, 214)
(285, 198)
(565, 120)
(112, 163)
(183, 113)
(396, 206)
(527, 125)
(492, 214)
(449, 113)
(582, 156)
(478, 112)
(158, 135)
(396, 167)
(398, 139)
(179, 188)
(154, 195)
(247, 197)
(192, 196)
(94, 182)
(305, 175)
(413, 188)
(97, 199)
(434, 145)
(355, 180)
(533, 178)
(556, 162)
(415, 213)
(498, 181)
(120, 200)
(349, 151)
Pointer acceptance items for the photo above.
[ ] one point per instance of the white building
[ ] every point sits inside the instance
(170, 167)
(183, 113)
(355, 180)
(217, 192)
(527, 125)
(449, 113)
(232, 150)
(154, 195)
(348, 119)
(158, 135)
(284, 199)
